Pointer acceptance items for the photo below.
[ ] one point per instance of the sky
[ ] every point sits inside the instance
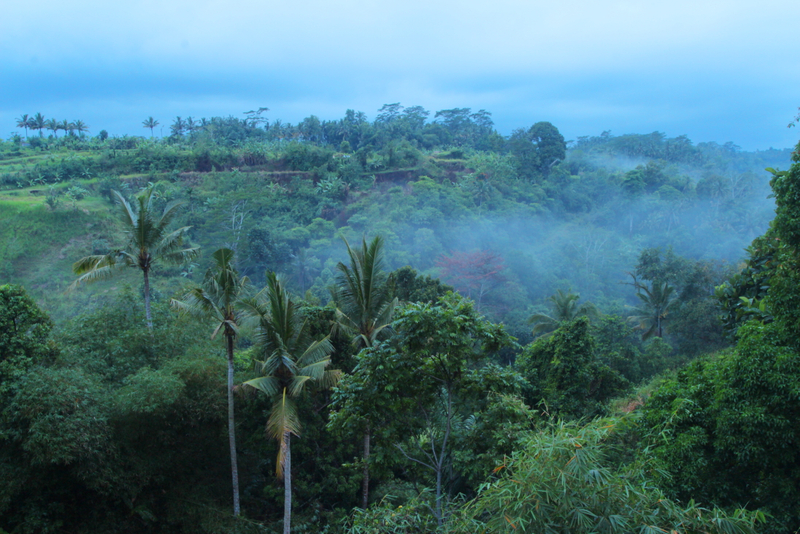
(713, 70)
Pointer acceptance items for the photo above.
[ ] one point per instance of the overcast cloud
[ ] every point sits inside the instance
(716, 71)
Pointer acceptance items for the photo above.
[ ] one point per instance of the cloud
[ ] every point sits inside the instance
(694, 67)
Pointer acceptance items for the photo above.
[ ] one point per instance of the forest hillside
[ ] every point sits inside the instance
(405, 324)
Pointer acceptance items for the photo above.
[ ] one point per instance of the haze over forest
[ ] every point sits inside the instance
(439, 285)
(399, 267)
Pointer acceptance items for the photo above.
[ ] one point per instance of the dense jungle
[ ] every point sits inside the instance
(400, 325)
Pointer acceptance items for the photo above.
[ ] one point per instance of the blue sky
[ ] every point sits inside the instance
(713, 70)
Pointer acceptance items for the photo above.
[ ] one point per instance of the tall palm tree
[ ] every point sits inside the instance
(178, 127)
(64, 125)
(365, 309)
(53, 126)
(657, 301)
(149, 241)
(220, 300)
(291, 361)
(38, 123)
(151, 123)
(565, 308)
(80, 126)
(24, 122)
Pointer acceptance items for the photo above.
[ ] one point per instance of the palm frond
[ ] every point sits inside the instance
(128, 215)
(91, 263)
(316, 370)
(180, 256)
(296, 386)
(169, 213)
(269, 385)
(316, 352)
(282, 421)
(330, 378)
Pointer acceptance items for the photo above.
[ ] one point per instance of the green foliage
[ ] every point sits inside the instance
(565, 308)
(562, 482)
(742, 296)
(412, 517)
(727, 421)
(565, 374)
(362, 294)
(783, 297)
(149, 241)
(409, 286)
(24, 331)
(429, 389)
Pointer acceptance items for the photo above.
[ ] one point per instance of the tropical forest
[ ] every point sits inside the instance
(403, 323)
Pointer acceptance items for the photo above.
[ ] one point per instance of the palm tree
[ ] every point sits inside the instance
(191, 125)
(178, 127)
(37, 123)
(148, 241)
(53, 126)
(565, 308)
(657, 302)
(64, 125)
(291, 361)
(24, 122)
(151, 123)
(365, 309)
(220, 300)
(80, 126)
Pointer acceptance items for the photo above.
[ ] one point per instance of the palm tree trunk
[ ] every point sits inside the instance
(147, 300)
(287, 484)
(441, 459)
(365, 482)
(232, 429)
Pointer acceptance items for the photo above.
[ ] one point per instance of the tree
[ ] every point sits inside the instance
(725, 424)
(24, 122)
(473, 273)
(566, 374)
(151, 123)
(80, 126)
(365, 310)
(64, 125)
(220, 300)
(37, 122)
(418, 381)
(24, 329)
(657, 301)
(563, 481)
(538, 148)
(565, 309)
(178, 127)
(149, 241)
(53, 126)
(292, 360)
(731, 419)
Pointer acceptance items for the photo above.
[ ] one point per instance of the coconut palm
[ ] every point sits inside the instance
(151, 123)
(54, 126)
(364, 303)
(24, 122)
(64, 125)
(657, 301)
(178, 127)
(37, 122)
(149, 241)
(219, 299)
(365, 309)
(565, 308)
(80, 126)
(292, 361)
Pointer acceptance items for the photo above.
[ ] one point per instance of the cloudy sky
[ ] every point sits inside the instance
(713, 70)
